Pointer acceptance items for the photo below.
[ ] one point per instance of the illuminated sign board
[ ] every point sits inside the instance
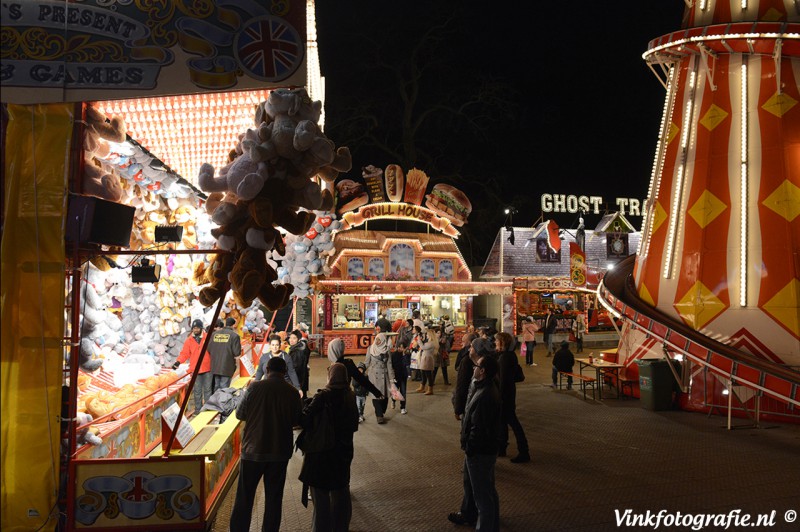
(398, 211)
(590, 204)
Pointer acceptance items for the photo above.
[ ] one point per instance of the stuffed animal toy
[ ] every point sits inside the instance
(268, 183)
(87, 434)
(98, 181)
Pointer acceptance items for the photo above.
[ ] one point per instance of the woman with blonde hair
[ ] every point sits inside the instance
(429, 347)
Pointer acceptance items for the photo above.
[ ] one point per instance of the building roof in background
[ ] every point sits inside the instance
(522, 260)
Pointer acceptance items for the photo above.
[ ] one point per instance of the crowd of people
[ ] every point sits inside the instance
(277, 402)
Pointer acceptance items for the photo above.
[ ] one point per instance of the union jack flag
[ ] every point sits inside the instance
(269, 49)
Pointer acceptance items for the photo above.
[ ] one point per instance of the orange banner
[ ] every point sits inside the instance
(577, 265)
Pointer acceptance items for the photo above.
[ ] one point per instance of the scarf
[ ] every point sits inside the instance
(337, 377)
(380, 347)
(335, 350)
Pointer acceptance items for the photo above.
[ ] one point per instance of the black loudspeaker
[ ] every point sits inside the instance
(169, 233)
(92, 220)
(146, 273)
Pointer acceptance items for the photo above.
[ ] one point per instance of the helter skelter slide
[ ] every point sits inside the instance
(717, 277)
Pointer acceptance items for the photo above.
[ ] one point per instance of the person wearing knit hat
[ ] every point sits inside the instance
(327, 472)
(336, 354)
(380, 373)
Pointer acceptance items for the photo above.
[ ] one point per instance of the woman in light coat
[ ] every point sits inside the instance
(529, 329)
(380, 373)
(429, 348)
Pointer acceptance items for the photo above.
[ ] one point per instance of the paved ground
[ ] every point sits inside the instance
(590, 459)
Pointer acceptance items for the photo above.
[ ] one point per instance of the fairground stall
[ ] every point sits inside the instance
(394, 273)
(560, 269)
(109, 110)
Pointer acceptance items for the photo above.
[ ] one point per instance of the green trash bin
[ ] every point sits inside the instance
(656, 384)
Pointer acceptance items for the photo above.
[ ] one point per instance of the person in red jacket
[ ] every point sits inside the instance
(191, 352)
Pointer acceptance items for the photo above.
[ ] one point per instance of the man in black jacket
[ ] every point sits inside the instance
(384, 324)
(270, 409)
(480, 430)
(224, 348)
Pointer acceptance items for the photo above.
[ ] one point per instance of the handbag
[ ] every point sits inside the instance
(519, 375)
(319, 435)
(523, 349)
(395, 393)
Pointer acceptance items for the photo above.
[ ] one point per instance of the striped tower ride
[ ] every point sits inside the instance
(720, 247)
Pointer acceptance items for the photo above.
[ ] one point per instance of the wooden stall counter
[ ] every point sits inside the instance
(182, 491)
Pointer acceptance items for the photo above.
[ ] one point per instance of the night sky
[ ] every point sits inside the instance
(580, 111)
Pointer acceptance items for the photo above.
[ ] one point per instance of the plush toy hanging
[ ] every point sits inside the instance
(267, 184)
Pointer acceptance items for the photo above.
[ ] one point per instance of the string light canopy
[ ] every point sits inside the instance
(188, 130)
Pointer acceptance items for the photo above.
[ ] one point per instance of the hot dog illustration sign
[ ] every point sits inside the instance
(445, 207)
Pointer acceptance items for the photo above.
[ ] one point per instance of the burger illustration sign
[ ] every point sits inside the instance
(445, 207)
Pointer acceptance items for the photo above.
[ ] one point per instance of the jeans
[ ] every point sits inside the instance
(202, 390)
(510, 420)
(480, 495)
(555, 379)
(549, 341)
(332, 510)
(250, 473)
(444, 374)
(220, 381)
(529, 347)
(427, 377)
(361, 400)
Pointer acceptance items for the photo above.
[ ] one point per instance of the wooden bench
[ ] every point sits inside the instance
(585, 382)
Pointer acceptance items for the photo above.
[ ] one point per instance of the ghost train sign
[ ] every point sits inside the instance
(589, 204)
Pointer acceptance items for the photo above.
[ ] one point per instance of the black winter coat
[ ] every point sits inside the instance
(330, 470)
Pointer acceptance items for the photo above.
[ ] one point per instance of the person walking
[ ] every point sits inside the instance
(549, 330)
(529, 329)
(191, 352)
(380, 373)
(275, 351)
(427, 361)
(299, 353)
(225, 348)
(405, 335)
(327, 472)
(361, 392)
(480, 426)
(507, 360)
(578, 329)
(270, 409)
(563, 360)
(400, 375)
(336, 354)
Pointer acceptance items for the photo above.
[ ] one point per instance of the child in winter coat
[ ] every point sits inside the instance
(361, 392)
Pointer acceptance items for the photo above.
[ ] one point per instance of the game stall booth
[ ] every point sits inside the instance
(394, 273)
(142, 192)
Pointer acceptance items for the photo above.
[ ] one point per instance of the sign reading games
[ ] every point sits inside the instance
(73, 51)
